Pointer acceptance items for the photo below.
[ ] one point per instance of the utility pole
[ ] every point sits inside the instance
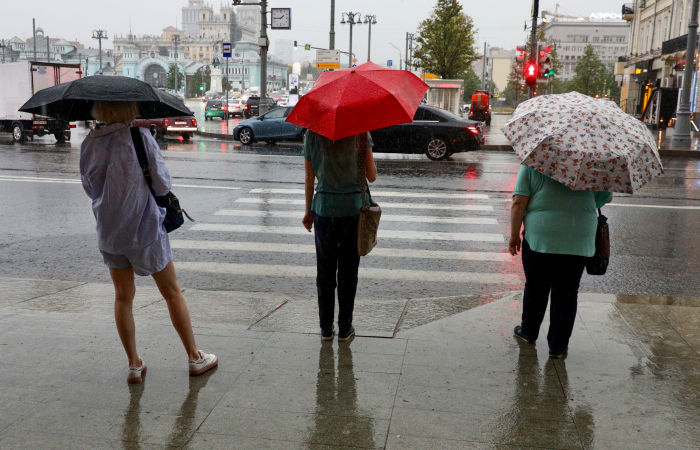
(263, 53)
(331, 35)
(48, 49)
(3, 45)
(351, 18)
(99, 35)
(533, 42)
(681, 138)
(34, 36)
(370, 20)
(409, 51)
(405, 59)
(483, 70)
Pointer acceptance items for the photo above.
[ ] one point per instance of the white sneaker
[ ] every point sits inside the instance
(206, 361)
(136, 373)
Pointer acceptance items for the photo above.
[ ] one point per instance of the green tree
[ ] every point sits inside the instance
(175, 78)
(225, 84)
(471, 83)
(513, 93)
(446, 41)
(590, 74)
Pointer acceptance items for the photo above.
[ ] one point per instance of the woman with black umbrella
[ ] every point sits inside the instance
(130, 231)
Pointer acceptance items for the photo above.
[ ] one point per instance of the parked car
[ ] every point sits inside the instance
(215, 108)
(269, 127)
(283, 101)
(434, 131)
(235, 107)
(252, 105)
(171, 126)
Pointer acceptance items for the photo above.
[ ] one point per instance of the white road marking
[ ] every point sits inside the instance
(275, 247)
(384, 205)
(382, 234)
(385, 217)
(72, 181)
(277, 270)
(381, 194)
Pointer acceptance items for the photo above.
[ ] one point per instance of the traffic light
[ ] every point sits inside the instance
(531, 74)
(543, 59)
(295, 45)
(521, 52)
(201, 87)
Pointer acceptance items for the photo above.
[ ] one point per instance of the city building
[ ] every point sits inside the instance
(655, 55)
(608, 34)
(498, 66)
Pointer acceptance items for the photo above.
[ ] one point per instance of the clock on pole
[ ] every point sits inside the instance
(281, 18)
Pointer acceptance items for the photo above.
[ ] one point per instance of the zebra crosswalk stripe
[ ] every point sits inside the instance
(293, 191)
(296, 271)
(382, 234)
(385, 217)
(384, 205)
(276, 247)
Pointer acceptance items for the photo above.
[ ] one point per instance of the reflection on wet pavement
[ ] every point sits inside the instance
(456, 378)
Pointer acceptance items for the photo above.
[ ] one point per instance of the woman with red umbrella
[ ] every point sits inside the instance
(338, 113)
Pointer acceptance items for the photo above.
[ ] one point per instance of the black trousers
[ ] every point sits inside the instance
(559, 275)
(337, 262)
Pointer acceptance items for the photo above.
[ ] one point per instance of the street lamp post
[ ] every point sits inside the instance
(331, 34)
(351, 18)
(398, 50)
(99, 35)
(681, 138)
(409, 51)
(370, 19)
(3, 45)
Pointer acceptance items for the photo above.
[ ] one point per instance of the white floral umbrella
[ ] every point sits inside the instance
(585, 143)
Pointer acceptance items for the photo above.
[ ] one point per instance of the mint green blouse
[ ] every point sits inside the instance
(558, 220)
(335, 166)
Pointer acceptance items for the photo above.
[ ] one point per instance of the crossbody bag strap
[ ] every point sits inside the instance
(141, 155)
(361, 172)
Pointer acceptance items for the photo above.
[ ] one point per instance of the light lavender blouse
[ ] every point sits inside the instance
(127, 215)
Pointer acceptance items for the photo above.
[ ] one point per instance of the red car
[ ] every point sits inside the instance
(172, 126)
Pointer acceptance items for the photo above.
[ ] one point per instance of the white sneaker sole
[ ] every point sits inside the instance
(201, 370)
(138, 379)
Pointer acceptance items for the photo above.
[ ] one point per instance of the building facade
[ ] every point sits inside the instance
(656, 50)
(609, 39)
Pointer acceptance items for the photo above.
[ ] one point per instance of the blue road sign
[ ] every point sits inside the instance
(388, 63)
(226, 46)
(307, 47)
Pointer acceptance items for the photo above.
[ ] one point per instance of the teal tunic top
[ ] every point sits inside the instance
(335, 164)
(558, 220)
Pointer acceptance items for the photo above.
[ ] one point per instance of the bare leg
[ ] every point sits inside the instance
(124, 291)
(166, 280)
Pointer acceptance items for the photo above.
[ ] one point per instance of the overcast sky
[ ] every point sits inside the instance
(498, 22)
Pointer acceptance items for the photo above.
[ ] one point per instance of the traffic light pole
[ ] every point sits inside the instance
(681, 138)
(533, 43)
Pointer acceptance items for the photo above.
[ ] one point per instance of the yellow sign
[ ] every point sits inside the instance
(328, 65)
(430, 76)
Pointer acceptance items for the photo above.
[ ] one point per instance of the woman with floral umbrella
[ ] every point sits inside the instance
(574, 150)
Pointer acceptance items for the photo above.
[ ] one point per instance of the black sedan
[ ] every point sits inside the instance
(434, 131)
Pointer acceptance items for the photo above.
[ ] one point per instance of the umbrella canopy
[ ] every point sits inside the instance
(585, 143)
(74, 100)
(363, 98)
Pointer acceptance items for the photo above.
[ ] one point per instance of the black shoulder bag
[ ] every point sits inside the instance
(173, 213)
(598, 263)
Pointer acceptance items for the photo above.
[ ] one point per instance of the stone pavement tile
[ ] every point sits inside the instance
(400, 442)
(15, 291)
(465, 399)
(90, 297)
(223, 442)
(422, 311)
(21, 439)
(371, 317)
(332, 396)
(319, 429)
(686, 321)
(259, 376)
(313, 341)
(365, 362)
(508, 428)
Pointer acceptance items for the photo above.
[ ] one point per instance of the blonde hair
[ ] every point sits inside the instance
(110, 112)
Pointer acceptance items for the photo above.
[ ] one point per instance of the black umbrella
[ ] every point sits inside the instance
(73, 100)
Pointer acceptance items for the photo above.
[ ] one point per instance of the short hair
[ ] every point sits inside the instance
(111, 112)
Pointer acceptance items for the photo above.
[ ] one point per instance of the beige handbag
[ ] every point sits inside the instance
(370, 212)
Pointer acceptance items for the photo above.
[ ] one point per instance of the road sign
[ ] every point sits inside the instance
(307, 47)
(388, 63)
(328, 59)
(227, 49)
(293, 80)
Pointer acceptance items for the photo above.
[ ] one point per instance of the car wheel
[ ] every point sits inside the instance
(437, 149)
(186, 137)
(60, 137)
(245, 136)
(18, 133)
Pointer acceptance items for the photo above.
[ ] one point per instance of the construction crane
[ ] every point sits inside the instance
(556, 14)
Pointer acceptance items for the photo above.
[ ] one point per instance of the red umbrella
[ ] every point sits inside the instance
(363, 98)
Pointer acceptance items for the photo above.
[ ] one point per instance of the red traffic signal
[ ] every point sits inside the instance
(531, 74)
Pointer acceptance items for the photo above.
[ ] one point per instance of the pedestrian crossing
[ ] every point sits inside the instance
(446, 238)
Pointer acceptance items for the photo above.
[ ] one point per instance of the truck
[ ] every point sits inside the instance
(18, 82)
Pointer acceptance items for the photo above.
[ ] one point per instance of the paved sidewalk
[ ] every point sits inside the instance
(631, 380)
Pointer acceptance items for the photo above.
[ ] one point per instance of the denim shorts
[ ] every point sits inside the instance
(145, 261)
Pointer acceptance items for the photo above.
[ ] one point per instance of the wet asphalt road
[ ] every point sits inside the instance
(243, 198)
